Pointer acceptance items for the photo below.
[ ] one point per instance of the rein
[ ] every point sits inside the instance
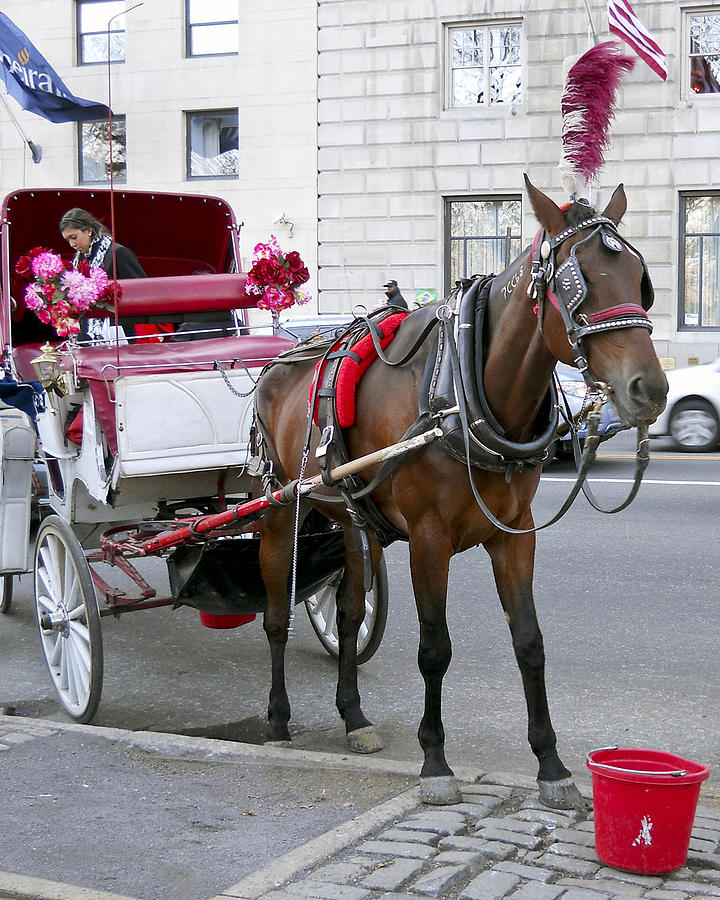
(592, 441)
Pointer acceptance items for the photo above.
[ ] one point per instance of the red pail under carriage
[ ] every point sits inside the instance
(644, 802)
(229, 620)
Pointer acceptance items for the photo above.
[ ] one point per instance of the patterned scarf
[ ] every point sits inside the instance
(97, 329)
(96, 252)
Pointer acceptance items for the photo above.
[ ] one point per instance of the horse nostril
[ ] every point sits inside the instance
(646, 391)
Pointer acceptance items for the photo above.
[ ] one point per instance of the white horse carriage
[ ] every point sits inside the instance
(139, 446)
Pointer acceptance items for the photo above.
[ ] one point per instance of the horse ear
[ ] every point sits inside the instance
(615, 209)
(548, 214)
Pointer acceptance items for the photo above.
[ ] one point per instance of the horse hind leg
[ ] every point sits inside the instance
(513, 561)
(360, 733)
(275, 557)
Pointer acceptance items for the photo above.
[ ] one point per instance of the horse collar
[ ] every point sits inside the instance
(565, 287)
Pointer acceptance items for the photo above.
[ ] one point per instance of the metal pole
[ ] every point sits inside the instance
(590, 23)
(35, 149)
(112, 184)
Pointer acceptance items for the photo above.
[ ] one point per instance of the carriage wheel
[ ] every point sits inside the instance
(68, 618)
(6, 592)
(322, 611)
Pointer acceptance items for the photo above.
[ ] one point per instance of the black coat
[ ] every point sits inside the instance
(397, 299)
(128, 265)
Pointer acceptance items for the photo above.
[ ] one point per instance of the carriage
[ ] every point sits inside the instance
(112, 450)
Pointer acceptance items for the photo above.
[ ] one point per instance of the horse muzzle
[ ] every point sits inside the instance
(641, 399)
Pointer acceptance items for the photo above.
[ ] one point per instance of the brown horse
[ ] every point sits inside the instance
(580, 256)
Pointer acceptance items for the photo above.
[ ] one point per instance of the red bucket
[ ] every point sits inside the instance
(645, 803)
(230, 620)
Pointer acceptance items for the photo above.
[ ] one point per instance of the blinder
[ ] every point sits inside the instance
(615, 243)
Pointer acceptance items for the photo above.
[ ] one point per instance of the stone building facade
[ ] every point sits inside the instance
(268, 80)
(393, 134)
(404, 147)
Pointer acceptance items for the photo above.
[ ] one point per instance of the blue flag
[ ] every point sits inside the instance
(32, 81)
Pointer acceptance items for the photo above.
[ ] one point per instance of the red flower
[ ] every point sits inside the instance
(83, 268)
(268, 271)
(23, 265)
(297, 268)
(22, 268)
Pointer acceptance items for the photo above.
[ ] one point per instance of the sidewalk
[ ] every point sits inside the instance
(95, 814)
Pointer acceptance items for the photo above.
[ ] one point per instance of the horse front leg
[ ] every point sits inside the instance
(350, 598)
(275, 557)
(429, 564)
(513, 558)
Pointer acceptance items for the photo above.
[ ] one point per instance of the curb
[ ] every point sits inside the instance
(18, 887)
(179, 746)
(340, 838)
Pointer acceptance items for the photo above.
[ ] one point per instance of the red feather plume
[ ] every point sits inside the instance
(588, 108)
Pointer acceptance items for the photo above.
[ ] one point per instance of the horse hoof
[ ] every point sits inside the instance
(560, 794)
(282, 744)
(364, 740)
(440, 790)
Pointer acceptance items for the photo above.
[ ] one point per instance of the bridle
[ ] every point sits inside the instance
(565, 287)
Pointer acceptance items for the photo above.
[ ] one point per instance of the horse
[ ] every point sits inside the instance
(431, 497)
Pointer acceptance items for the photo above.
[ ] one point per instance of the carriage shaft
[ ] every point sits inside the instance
(249, 508)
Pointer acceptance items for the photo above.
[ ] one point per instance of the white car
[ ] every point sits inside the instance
(300, 328)
(692, 414)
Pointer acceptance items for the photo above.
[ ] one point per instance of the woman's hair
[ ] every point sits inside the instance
(80, 218)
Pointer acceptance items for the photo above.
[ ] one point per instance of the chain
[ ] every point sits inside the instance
(230, 387)
(296, 536)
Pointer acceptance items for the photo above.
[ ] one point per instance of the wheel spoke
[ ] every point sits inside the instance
(326, 609)
(72, 686)
(55, 639)
(80, 640)
(48, 572)
(46, 603)
(72, 594)
(330, 620)
(63, 677)
(80, 655)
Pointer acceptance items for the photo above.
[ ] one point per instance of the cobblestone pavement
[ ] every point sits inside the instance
(500, 843)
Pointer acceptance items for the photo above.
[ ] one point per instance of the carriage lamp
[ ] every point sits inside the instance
(48, 371)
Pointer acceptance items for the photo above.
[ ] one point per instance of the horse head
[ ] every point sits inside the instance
(600, 291)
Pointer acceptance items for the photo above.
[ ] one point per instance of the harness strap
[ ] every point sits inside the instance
(592, 440)
(420, 340)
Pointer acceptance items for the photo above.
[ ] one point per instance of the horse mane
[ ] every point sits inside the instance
(577, 212)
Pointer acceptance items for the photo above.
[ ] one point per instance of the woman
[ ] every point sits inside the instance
(91, 241)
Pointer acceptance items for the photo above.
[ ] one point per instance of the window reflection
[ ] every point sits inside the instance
(701, 266)
(485, 65)
(213, 148)
(484, 236)
(705, 54)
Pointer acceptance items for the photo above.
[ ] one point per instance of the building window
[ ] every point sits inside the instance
(700, 260)
(93, 17)
(482, 236)
(96, 155)
(484, 65)
(704, 29)
(212, 27)
(212, 144)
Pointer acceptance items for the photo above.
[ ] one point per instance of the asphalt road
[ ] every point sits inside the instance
(626, 603)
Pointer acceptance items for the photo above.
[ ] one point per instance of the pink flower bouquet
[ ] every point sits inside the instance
(276, 277)
(58, 294)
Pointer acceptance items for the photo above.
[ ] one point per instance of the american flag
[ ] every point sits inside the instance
(625, 24)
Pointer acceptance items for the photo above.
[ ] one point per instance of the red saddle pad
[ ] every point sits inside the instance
(352, 369)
